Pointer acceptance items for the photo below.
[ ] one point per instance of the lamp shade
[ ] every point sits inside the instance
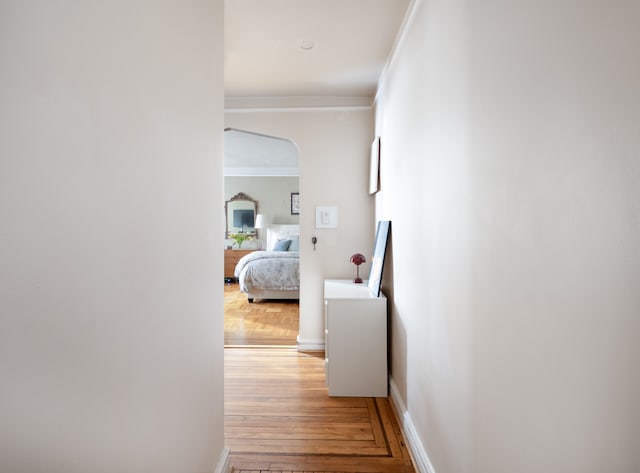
(357, 259)
(259, 221)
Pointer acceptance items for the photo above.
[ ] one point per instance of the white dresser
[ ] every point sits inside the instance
(355, 340)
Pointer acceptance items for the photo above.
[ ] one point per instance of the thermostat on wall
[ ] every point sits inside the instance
(326, 217)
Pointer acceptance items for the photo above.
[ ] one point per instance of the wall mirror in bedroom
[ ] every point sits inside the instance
(240, 212)
(261, 173)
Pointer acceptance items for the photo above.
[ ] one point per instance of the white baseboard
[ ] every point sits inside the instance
(224, 465)
(310, 344)
(418, 452)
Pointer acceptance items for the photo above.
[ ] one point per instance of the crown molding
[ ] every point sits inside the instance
(400, 39)
(264, 172)
(295, 103)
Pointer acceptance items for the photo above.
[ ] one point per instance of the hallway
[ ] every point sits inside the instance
(278, 417)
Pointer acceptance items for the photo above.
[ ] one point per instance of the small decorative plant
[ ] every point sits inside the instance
(240, 238)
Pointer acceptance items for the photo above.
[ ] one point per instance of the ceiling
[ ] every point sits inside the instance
(253, 154)
(349, 40)
(305, 53)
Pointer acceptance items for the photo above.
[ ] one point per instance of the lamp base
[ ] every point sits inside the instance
(358, 280)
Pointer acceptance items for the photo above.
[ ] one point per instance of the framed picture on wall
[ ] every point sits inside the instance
(374, 167)
(295, 203)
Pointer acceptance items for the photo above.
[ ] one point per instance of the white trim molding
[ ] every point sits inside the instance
(312, 103)
(224, 464)
(400, 38)
(257, 171)
(310, 344)
(418, 452)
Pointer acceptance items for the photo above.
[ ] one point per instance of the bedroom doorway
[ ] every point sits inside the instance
(265, 170)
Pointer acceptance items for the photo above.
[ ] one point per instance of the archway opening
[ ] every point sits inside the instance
(262, 276)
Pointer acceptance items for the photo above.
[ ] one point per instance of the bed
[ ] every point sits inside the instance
(275, 272)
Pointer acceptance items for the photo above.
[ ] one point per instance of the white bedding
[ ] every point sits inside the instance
(269, 270)
(272, 274)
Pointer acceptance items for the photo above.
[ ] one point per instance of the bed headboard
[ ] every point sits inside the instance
(282, 232)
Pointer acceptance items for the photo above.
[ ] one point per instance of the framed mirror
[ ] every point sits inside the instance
(240, 213)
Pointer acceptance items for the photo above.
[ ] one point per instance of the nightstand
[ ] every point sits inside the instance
(231, 258)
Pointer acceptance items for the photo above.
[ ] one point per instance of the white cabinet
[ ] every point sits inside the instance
(355, 340)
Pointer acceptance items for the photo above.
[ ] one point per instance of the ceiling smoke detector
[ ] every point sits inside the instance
(306, 45)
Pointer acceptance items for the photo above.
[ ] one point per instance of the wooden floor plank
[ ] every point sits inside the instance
(260, 322)
(279, 417)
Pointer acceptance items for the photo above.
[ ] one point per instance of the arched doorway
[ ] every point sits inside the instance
(263, 170)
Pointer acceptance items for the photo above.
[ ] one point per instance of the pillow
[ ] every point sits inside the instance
(275, 233)
(282, 245)
(295, 245)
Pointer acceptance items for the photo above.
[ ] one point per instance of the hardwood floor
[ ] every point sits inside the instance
(259, 323)
(279, 417)
(278, 414)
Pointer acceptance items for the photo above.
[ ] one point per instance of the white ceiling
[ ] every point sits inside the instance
(265, 63)
(351, 40)
(253, 154)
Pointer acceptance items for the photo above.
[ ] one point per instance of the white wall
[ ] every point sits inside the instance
(111, 327)
(515, 127)
(334, 147)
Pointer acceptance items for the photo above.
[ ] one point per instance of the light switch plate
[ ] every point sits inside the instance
(326, 217)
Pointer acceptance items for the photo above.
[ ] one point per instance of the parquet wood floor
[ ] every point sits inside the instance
(279, 418)
(270, 322)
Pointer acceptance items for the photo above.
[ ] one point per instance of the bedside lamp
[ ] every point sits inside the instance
(357, 259)
(259, 224)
